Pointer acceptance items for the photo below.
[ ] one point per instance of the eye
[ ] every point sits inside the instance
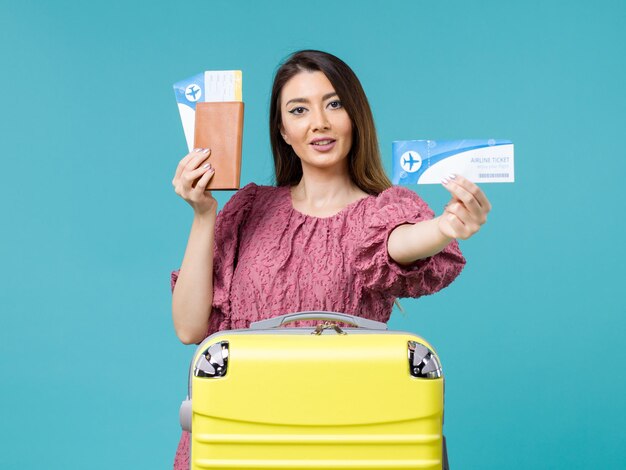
(335, 104)
(297, 111)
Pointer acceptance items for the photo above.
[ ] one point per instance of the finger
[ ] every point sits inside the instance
(183, 162)
(199, 157)
(473, 188)
(190, 178)
(457, 226)
(465, 215)
(466, 197)
(458, 192)
(204, 180)
(476, 191)
(460, 211)
(180, 167)
(197, 173)
(471, 225)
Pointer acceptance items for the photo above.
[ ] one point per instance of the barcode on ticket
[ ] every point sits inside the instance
(493, 175)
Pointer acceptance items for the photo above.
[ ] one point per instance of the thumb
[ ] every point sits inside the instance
(452, 200)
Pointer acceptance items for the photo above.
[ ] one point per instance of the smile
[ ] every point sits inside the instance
(323, 145)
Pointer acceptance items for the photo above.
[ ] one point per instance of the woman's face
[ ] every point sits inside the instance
(314, 121)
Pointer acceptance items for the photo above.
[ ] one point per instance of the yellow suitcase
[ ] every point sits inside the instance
(325, 397)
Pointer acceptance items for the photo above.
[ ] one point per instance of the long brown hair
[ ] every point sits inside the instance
(365, 166)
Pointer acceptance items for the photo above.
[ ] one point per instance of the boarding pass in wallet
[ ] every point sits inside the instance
(212, 86)
(428, 161)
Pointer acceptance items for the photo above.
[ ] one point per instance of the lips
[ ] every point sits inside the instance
(322, 142)
(323, 145)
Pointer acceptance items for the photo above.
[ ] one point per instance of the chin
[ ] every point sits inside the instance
(325, 158)
(323, 161)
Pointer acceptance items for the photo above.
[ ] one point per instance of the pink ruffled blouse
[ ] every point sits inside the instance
(270, 259)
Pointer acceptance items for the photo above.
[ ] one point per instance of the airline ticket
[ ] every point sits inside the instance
(212, 85)
(428, 161)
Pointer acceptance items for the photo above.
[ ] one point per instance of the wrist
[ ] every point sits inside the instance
(445, 237)
(411, 242)
(205, 217)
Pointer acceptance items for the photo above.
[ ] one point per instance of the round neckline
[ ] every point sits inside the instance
(336, 214)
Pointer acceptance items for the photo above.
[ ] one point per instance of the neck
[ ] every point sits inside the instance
(320, 188)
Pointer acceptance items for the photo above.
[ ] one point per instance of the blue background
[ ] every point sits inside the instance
(531, 334)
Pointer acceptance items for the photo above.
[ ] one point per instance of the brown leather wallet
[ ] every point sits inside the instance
(219, 126)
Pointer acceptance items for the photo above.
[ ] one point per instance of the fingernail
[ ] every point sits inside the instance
(196, 150)
(206, 150)
(444, 180)
(206, 166)
(452, 176)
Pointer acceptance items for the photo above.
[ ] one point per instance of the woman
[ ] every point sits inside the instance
(333, 234)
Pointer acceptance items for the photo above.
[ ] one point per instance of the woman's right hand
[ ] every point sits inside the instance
(189, 169)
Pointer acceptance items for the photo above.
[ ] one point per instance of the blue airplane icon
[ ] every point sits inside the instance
(410, 161)
(193, 91)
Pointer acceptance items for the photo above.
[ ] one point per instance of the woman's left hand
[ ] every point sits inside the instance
(466, 211)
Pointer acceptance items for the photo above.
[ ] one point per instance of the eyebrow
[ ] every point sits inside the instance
(304, 100)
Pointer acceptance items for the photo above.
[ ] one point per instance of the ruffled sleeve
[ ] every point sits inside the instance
(227, 231)
(378, 272)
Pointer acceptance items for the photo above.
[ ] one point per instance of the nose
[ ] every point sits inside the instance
(319, 120)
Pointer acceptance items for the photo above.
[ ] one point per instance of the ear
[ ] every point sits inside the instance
(285, 138)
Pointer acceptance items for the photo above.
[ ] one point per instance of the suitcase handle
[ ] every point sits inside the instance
(275, 322)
